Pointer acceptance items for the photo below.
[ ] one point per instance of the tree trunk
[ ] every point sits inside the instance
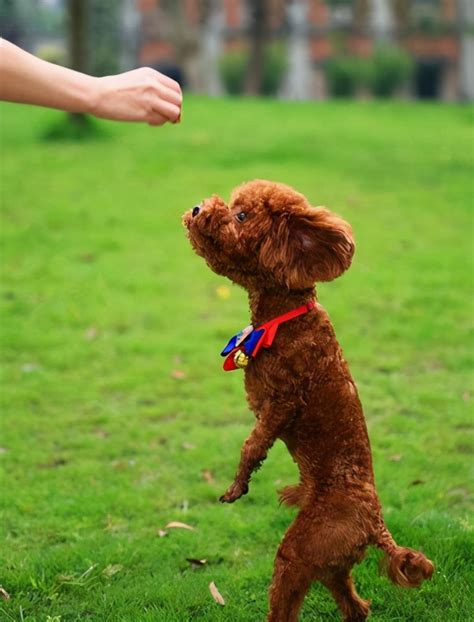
(298, 83)
(402, 11)
(103, 36)
(211, 45)
(361, 14)
(77, 10)
(129, 35)
(11, 26)
(77, 18)
(184, 37)
(258, 10)
(381, 20)
(466, 18)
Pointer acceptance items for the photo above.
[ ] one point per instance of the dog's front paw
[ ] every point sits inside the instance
(234, 492)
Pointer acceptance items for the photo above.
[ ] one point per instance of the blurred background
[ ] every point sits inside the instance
(293, 49)
(116, 419)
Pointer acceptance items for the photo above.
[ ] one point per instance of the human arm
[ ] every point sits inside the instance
(139, 95)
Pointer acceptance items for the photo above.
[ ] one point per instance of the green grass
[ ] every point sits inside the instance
(104, 304)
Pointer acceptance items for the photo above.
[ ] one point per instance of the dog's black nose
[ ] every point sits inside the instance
(196, 210)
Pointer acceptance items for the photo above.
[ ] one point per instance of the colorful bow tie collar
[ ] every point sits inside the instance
(247, 344)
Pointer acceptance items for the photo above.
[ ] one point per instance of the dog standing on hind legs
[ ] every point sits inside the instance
(273, 243)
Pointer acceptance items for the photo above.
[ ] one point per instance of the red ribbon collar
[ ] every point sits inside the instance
(248, 343)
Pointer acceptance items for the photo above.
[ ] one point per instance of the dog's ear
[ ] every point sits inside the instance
(306, 246)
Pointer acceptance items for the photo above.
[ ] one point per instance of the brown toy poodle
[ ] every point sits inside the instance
(272, 242)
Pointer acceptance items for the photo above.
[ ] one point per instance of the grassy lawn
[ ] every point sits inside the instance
(116, 417)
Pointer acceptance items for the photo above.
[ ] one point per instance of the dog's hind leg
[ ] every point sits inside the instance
(292, 575)
(341, 586)
(291, 581)
(318, 547)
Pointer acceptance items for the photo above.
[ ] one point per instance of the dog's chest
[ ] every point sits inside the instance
(274, 378)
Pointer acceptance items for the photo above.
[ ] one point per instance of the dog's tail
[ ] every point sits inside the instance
(292, 495)
(405, 567)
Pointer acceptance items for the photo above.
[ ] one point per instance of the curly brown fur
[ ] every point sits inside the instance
(301, 392)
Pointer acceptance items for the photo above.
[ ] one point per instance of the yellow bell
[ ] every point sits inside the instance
(241, 360)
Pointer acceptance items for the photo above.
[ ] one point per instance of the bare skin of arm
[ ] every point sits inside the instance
(139, 95)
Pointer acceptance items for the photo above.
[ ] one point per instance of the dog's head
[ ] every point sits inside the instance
(269, 236)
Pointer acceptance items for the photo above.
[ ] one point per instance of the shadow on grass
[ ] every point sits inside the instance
(75, 127)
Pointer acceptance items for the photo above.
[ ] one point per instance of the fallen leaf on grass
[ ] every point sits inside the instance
(395, 458)
(160, 440)
(111, 569)
(99, 433)
(162, 533)
(64, 577)
(177, 525)
(3, 450)
(459, 492)
(4, 595)
(178, 374)
(187, 445)
(114, 525)
(196, 563)
(216, 595)
(87, 257)
(91, 333)
(147, 401)
(79, 580)
(122, 328)
(120, 465)
(207, 476)
(53, 463)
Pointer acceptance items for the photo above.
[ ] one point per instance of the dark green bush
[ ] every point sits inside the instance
(232, 69)
(383, 74)
(343, 75)
(391, 68)
(274, 69)
(233, 66)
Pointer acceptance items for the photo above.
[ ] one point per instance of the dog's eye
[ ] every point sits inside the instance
(241, 216)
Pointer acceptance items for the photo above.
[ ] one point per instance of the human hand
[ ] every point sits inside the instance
(139, 95)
